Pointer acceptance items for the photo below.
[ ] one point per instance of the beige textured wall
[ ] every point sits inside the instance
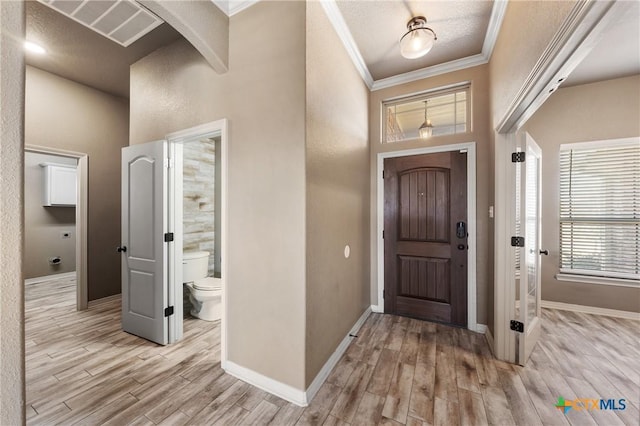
(337, 192)
(263, 96)
(66, 115)
(479, 77)
(44, 225)
(526, 30)
(12, 396)
(569, 116)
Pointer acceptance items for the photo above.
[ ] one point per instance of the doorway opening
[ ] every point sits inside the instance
(198, 218)
(470, 168)
(75, 223)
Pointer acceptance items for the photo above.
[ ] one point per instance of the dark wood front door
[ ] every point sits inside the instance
(425, 243)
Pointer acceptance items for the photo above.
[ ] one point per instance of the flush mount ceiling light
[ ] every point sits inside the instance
(426, 130)
(35, 48)
(418, 40)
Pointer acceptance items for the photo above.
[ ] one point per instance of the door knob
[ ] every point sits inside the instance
(545, 252)
(122, 249)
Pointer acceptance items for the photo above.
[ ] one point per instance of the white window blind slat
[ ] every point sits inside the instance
(600, 211)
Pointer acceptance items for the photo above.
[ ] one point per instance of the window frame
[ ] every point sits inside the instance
(423, 96)
(581, 275)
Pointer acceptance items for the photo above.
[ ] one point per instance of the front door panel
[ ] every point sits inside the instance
(425, 261)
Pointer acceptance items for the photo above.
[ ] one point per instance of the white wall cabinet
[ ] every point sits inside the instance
(60, 183)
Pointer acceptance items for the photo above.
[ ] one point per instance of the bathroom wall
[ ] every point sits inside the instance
(570, 116)
(66, 115)
(44, 226)
(199, 189)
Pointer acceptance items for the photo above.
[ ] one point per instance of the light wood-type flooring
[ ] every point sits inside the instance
(82, 369)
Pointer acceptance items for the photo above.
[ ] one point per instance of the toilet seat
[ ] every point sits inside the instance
(207, 284)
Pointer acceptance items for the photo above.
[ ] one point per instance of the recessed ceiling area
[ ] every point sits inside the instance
(376, 27)
(77, 53)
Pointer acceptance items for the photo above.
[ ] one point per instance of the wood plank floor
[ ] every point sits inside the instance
(82, 369)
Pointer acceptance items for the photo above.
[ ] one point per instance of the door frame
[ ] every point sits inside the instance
(175, 141)
(82, 214)
(470, 148)
(573, 41)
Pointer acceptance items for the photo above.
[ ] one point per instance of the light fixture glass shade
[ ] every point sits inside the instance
(418, 40)
(426, 130)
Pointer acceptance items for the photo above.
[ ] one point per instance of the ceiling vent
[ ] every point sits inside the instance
(122, 21)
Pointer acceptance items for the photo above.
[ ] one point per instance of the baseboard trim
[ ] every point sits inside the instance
(590, 310)
(481, 328)
(377, 309)
(64, 275)
(287, 392)
(335, 357)
(267, 384)
(103, 300)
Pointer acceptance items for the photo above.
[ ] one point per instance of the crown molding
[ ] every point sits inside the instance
(340, 26)
(493, 29)
(231, 7)
(495, 22)
(456, 65)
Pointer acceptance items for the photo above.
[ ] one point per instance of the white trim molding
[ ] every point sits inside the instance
(231, 7)
(432, 71)
(335, 17)
(287, 392)
(340, 26)
(470, 148)
(335, 357)
(590, 310)
(267, 384)
(592, 279)
(65, 275)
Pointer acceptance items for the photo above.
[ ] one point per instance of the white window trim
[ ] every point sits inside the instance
(592, 279)
(425, 95)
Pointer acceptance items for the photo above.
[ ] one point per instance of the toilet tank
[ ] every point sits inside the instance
(195, 265)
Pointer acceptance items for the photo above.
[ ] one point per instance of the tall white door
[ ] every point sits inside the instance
(530, 271)
(144, 250)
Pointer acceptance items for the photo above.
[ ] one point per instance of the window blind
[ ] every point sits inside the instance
(600, 211)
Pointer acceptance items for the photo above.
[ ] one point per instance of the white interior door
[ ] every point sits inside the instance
(528, 307)
(144, 223)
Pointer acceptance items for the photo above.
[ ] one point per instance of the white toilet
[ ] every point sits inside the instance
(205, 292)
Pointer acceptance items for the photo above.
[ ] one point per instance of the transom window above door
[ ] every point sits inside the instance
(434, 113)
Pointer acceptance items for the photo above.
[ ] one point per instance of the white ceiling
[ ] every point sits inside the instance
(616, 55)
(376, 28)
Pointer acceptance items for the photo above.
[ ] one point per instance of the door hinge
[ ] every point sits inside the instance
(168, 311)
(168, 237)
(517, 241)
(383, 293)
(518, 157)
(383, 174)
(516, 326)
(168, 163)
(383, 234)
